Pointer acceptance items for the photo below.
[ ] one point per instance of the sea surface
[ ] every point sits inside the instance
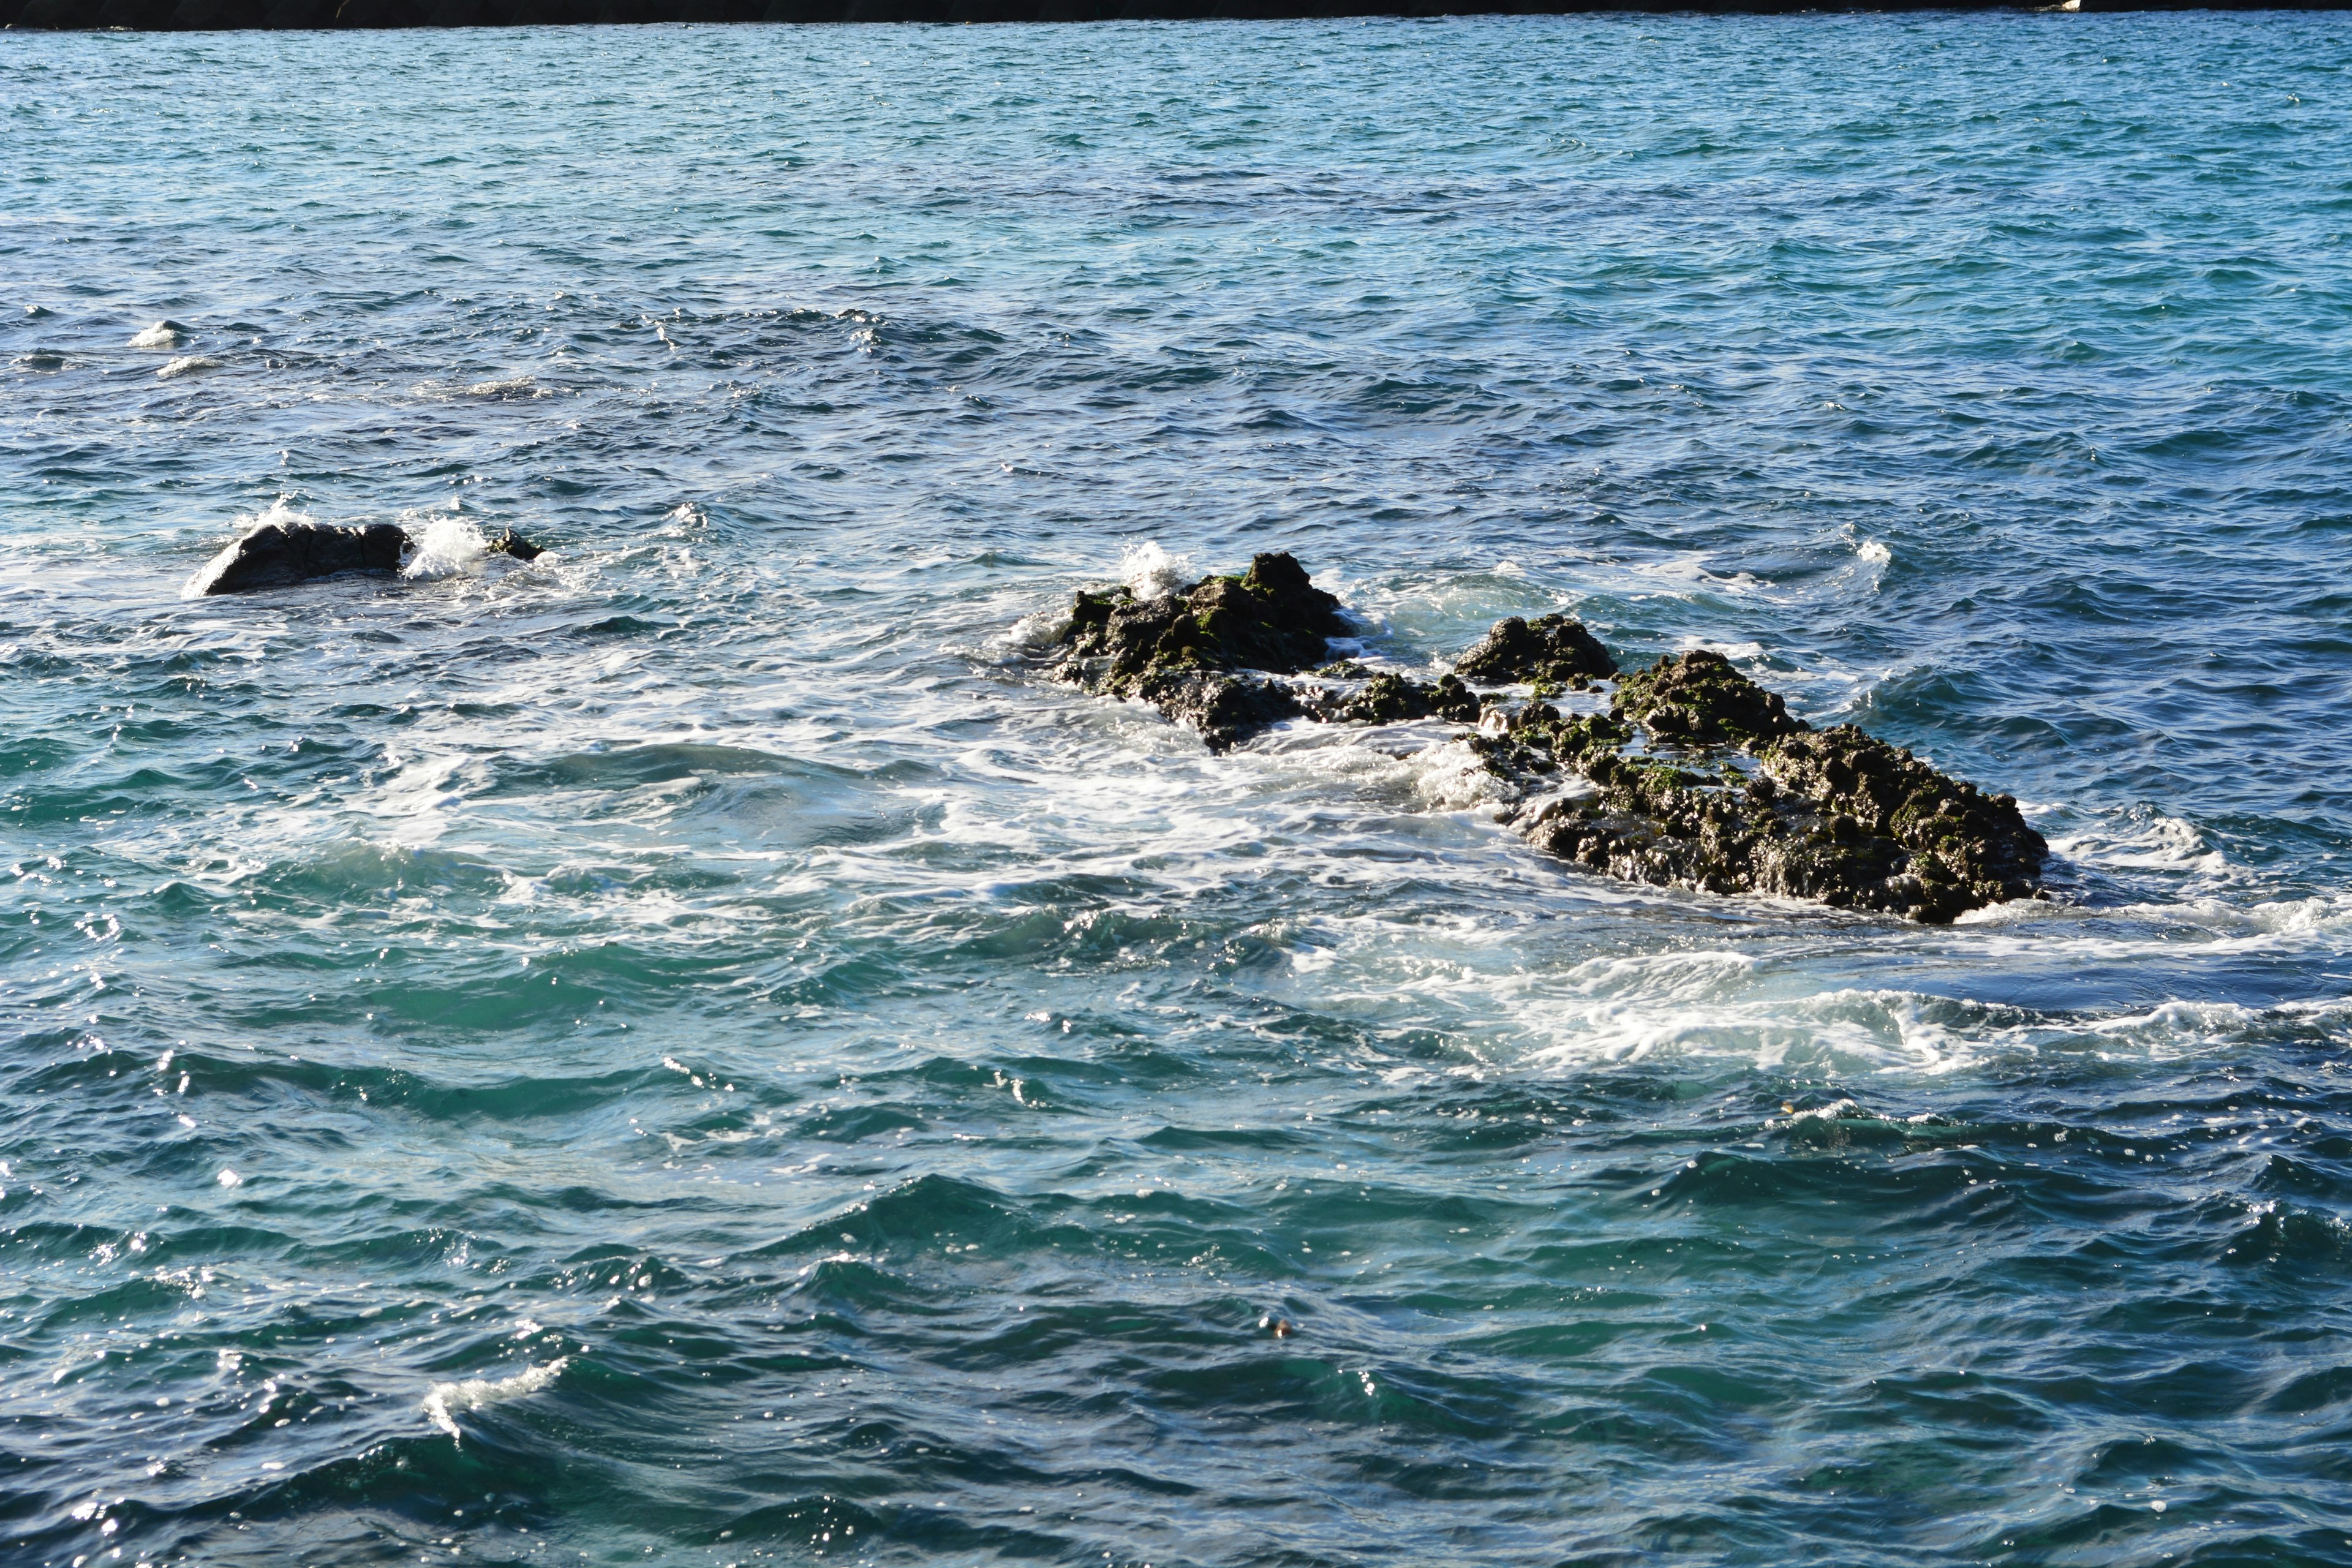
(692, 1051)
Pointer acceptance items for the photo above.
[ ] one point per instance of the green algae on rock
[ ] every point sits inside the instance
(1699, 695)
(1836, 817)
(1390, 698)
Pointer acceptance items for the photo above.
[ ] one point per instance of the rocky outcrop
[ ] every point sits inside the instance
(1691, 777)
(1698, 696)
(280, 554)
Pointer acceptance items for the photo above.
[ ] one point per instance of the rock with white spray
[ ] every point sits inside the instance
(281, 553)
(284, 549)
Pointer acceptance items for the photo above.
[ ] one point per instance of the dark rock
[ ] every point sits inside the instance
(280, 554)
(1696, 776)
(1227, 709)
(1965, 848)
(1697, 696)
(1391, 699)
(1184, 651)
(1551, 650)
(1839, 817)
(515, 544)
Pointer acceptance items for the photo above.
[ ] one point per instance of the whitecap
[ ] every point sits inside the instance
(1040, 629)
(187, 364)
(442, 1406)
(162, 335)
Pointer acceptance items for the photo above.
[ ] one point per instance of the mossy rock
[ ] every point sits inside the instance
(1699, 697)
(1836, 816)
(1550, 651)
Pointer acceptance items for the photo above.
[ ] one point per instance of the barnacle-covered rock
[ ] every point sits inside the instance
(1837, 817)
(1390, 698)
(1699, 695)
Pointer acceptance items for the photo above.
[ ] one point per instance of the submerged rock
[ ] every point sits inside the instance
(280, 554)
(1694, 777)
(1388, 699)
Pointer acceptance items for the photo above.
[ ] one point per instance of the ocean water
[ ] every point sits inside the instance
(691, 1052)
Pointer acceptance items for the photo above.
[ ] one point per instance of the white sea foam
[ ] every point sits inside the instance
(162, 335)
(1874, 553)
(1450, 777)
(448, 1400)
(187, 364)
(448, 545)
(1040, 629)
(1151, 573)
(2146, 841)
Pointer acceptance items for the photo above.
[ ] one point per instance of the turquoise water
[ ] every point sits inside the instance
(689, 1052)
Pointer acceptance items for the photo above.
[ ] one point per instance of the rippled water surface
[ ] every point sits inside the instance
(689, 1051)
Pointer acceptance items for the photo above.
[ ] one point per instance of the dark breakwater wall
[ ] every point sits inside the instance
(198, 16)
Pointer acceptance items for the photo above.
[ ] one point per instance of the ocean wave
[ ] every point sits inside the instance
(447, 1400)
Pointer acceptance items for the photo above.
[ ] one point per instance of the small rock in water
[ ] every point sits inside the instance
(1280, 1327)
(515, 544)
(280, 554)
(162, 335)
(1388, 699)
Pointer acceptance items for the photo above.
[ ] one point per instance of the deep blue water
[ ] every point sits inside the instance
(689, 1052)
